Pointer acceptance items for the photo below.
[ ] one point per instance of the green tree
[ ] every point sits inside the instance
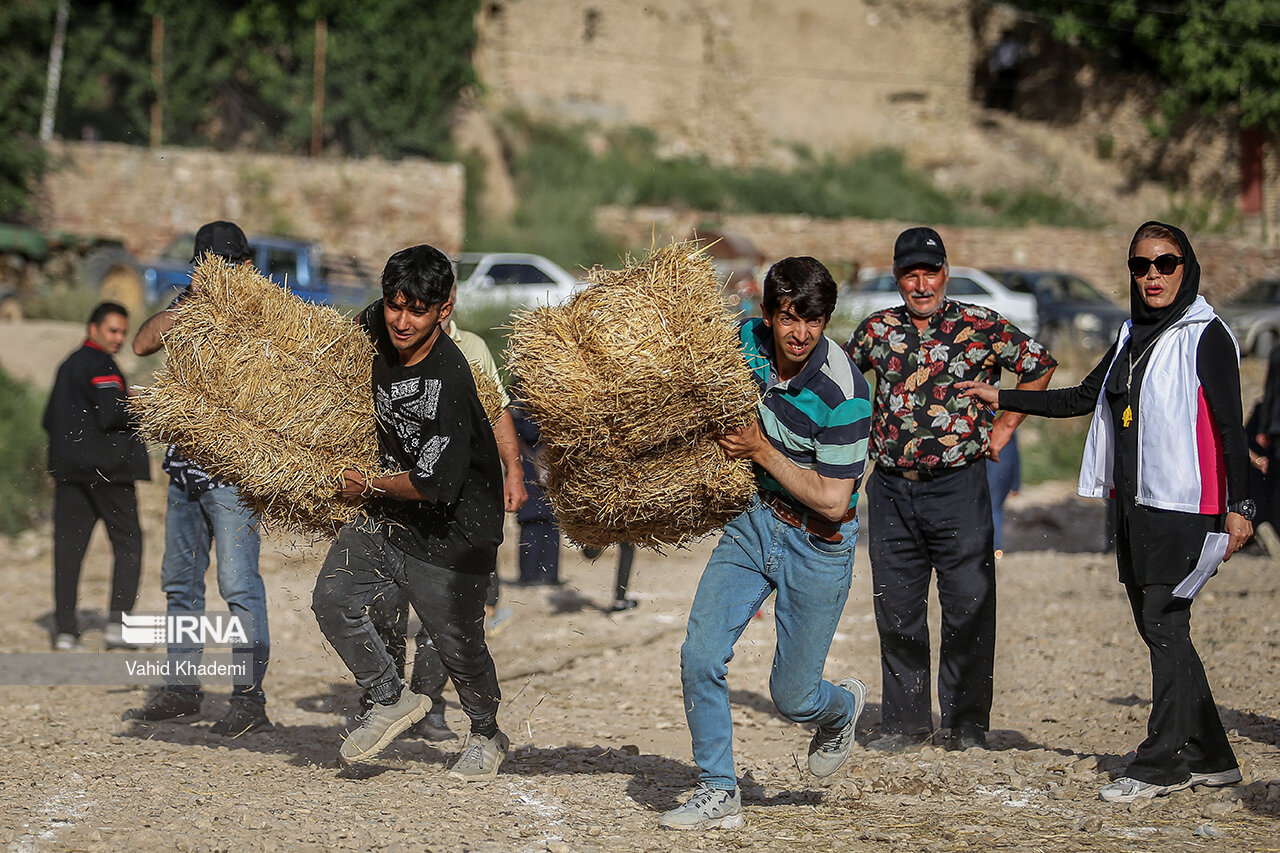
(1210, 54)
(26, 28)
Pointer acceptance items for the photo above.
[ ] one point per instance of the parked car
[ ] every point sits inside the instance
(1071, 310)
(515, 279)
(298, 264)
(1254, 317)
(877, 288)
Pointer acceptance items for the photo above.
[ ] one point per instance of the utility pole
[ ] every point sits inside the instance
(157, 80)
(55, 71)
(317, 87)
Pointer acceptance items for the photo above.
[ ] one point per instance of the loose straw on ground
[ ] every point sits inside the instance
(629, 381)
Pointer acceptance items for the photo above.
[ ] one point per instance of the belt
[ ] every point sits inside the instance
(807, 520)
(920, 475)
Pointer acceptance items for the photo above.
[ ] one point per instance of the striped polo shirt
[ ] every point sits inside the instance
(820, 418)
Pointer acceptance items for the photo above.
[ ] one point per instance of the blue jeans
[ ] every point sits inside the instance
(758, 554)
(191, 525)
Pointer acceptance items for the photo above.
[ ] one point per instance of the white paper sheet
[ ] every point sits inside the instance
(1215, 548)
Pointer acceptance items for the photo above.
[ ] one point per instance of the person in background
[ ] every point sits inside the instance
(539, 550)
(1168, 442)
(930, 510)
(1004, 478)
(95, 456)
(622, 578)
(204, 511)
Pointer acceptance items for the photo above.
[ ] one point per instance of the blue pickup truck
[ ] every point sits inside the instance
(299, 265)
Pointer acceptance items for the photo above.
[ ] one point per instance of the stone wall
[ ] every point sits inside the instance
(737, 79)
(361, 208)
(1228, 264)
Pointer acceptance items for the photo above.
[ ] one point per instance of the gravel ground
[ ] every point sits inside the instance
(599, 743)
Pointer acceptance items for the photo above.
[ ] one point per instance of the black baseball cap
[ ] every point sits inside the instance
(919, 246)
(222, 238)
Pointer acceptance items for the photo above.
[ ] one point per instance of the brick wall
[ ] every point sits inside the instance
(1227, 264)
(145, 197)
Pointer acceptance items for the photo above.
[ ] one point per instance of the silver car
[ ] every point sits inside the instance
(878, 289)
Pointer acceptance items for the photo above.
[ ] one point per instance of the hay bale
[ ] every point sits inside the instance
(271, 393)
(487, 391)
(629, 381)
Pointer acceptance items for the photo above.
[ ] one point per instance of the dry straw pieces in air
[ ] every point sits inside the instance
(629, 381)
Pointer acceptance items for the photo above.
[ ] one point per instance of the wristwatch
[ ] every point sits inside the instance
(1246, 507)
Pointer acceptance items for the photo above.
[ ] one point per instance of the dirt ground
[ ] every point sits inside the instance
(599, 743)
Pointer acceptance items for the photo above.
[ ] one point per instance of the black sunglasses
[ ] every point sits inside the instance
(1165, 265)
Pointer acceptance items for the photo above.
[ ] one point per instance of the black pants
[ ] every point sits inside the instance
(539, 552)
(362, 568)
(390, 616)
(76, 509)
(917, 528)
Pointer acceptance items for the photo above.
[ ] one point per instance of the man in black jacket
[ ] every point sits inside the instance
(95, 455)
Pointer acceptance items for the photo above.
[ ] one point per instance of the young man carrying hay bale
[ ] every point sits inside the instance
(204, 511)
(432, 530)
(796, 538)
(390, 613)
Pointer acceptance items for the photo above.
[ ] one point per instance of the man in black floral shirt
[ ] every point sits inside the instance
(930, 505)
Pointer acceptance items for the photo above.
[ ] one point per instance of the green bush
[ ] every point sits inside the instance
(25, 496)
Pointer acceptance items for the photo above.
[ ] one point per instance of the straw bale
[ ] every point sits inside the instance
(645, 356)
(268, 391)
(487, 391)
(629, 381)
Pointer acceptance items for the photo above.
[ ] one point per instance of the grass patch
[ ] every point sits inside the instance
(1050, 448)
(562, 173)
(25, 497)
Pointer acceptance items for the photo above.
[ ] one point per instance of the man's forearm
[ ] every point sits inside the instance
(827, 496)
(398, 486)
(150, 335)
(504, 431)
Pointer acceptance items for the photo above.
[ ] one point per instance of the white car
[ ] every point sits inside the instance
(877, 288)
(515, 279)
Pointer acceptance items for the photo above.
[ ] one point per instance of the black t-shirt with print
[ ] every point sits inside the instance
(432, 425)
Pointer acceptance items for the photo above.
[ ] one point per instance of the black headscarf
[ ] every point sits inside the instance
(1149, 323)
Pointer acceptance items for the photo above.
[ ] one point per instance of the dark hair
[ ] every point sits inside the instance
(805, 283)
(421, 274)
(104, 310)
(1152, 231)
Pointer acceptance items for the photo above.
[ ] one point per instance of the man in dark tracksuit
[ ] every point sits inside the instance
(95, 455)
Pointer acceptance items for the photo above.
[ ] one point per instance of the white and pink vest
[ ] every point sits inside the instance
(1180, 463)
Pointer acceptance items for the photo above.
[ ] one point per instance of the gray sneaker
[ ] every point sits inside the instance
(380, 724)
(708, 808)
(481, 757)
(829, 748)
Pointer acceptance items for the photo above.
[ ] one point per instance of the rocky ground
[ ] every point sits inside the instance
(600, 747)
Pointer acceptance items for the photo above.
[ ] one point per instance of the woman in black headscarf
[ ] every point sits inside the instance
(1167, 443)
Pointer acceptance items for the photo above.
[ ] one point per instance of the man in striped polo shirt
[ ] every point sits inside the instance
(796, 539)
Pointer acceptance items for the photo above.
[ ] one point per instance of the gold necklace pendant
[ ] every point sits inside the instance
(1126, 417)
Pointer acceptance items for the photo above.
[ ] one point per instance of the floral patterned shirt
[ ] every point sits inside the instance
(919, 419)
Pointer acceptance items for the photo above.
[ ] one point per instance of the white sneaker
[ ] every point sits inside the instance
(1217, 780)
(830, 747)
(1126, 790)
(66, 643)
(708, 808)
(113, 637)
